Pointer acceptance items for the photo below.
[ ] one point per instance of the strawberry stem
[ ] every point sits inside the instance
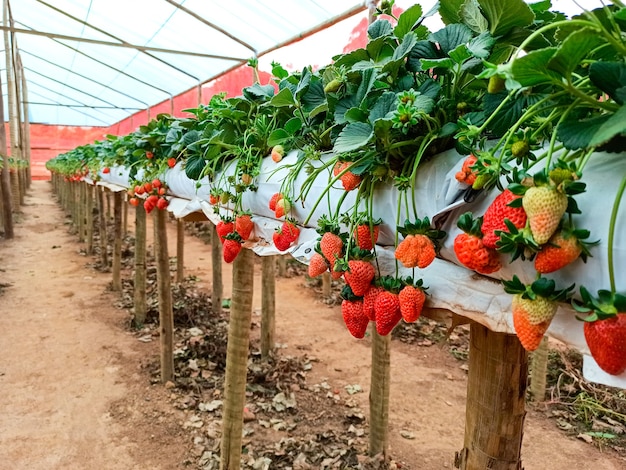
(616, 204)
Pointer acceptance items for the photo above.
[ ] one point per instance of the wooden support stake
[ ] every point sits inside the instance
(124, 217)
(180, 250)
(89, 222)
(538, 371)
(237, 360)
(15, 190)
(496, 393)
(166, 313)
(268, 305)
(326, 285)
(102, 222)
(281, 264)
(80, 211)
(140, 267)
(379, 394)
(216, 268)
(116, 285)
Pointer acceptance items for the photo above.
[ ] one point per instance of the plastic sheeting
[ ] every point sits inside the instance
(439, 196)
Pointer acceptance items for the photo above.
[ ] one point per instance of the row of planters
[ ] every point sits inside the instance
(16, 182)
(408, 167)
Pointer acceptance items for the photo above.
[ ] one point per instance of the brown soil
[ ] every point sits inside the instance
(78, 388)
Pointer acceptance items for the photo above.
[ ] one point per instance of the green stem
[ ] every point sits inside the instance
(616, 204)
(495, 112)
(549, 26)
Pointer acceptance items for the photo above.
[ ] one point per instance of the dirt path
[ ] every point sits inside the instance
(75, 394)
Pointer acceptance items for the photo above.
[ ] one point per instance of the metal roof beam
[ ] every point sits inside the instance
(38, 103)
(144, 49)
(106, 124)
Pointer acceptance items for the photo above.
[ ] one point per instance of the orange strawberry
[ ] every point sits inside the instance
(133, 201)
(533, 307)
(283, 206)
(466, 175)
(563, 248)
(171, 162)
(213, 199)
(495, 215)
(469, 248)
(348, 179)
(244, 225)
(317, 265)
(278, 152)
(418, 248)
(411, 300)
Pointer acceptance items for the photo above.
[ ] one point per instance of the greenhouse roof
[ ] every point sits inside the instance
(95, 62)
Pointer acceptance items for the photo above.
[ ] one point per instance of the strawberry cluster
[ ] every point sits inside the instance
(154, 192)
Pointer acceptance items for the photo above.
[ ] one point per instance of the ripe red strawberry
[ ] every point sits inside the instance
(354, 318)
(283, 206)
(162, 203)
(331, 245)
(231, 249)
(162, 191)
(139, 190)
(285, 235)
(317, 265)
(133, 201)
(496, 213)
(213, 199)
(544, 206)
(291, 230)
(274, 199)
(387, 312)
(149, 155)
(366, 236)
(359, 276)
(171, 162)
(466, 175)
(244, 225)
(278, 152)
(147, 187)
(562, 249)
(469, 248)
(368, 301)
(106, 170)
(411, 303)
(224, 227)
(337, 271)
(156, 183)
(607, 342)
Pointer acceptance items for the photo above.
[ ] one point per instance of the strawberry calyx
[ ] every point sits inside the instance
(233, 236)
(348, 294)
(471, 225)
(417, 283)
(541, 287)
(421, 227)
(518, 243)
(390, 283)
(606, 305)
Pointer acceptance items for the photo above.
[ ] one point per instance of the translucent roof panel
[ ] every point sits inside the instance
(94, 62)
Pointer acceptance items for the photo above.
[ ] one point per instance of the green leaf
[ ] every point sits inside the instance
(613, 126)
(378, 50)
(194, 165)
(343, 106)
(172, 135)
(258, 92)
(314, 95)
(481, 45)
(348, 60)
(421, 50)
(321, 108)
(424, 103)
(283, 98)
(573, 49)
(472, 17)
(532, 69)
(620, 14)
(303, 84)
(450, 10)
(451, 36)
(430, 88)
(293, 125)
(355, 115)
(379, 28)
(386, 104)
(408, 20)
(368, 77)
(610, 77)
(446, 63)
(278, 71)
(353, 136)
(278, 136)
(576, 134)
(504, 16)
(460, 54)
(405, 47)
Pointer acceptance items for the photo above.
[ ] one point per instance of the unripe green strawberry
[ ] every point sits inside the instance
(544, 206)
(332, 86)
(558, 175)
(538, 310)
(496, 84)
(520, 148)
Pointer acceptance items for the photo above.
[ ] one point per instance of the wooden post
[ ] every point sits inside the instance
(326, 285)
(108, 206)
(538, 370)
(216, 265)
(104, 259)
(80, 211)
(139, 291)
(15, 189)
(13, 117)
(281, 264)
(166, 313)
(268, 305)
(89, 218)
(379, 394)
(26, 127)
(496, 393)
(180, 250)
(124, 217)
(116, 285)
(5, 183)
(237, 360)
